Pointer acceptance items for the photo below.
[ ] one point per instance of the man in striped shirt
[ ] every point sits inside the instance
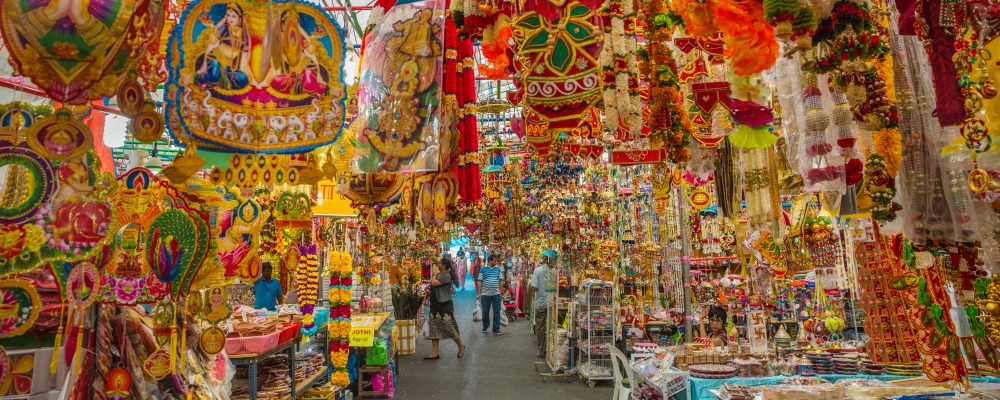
(491, 280)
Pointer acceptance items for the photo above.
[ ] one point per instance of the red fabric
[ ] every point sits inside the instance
(950, 109)
(907, 11)
(95, 121)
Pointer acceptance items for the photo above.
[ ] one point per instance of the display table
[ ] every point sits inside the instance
(251, 361)
(700, 386)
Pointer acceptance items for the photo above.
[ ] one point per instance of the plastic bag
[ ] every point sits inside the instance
(378, 354)
(503, 319)
(477, 315)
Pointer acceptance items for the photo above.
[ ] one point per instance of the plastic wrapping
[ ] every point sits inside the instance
(399, 97)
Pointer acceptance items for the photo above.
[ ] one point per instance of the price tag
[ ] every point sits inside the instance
(362, 336)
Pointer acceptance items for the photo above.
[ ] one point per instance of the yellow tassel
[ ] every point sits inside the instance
(55, 350)
(183, 349)
(173, 352)
(79, 348)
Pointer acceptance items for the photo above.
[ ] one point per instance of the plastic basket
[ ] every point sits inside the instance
(289, 331)
(252, 344)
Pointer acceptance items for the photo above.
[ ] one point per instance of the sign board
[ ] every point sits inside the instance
(362, 336)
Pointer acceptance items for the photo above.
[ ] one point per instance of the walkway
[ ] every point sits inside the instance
(494, 367)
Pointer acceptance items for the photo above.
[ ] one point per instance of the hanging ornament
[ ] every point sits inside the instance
(147, 126)
(60, 137)
(118, 383)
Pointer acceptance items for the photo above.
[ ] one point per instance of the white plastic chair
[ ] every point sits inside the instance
(623, 384)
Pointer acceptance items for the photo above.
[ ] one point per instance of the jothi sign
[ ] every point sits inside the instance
(362, 336)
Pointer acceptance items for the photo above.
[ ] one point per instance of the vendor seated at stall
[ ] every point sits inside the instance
(716, 335)
(267, 291)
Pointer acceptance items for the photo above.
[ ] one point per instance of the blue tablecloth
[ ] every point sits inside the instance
(700, 387)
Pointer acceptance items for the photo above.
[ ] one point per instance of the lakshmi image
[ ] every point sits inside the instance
(299, 70)
(226, 62)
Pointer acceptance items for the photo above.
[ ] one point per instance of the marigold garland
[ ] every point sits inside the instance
(339, 268)
(751, 46)
(307, 284)
(668, 123)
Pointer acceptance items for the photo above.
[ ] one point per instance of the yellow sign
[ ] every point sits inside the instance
(362, 336)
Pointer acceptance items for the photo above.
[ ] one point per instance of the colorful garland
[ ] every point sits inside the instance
(307, 284)
(621, 72)
(751, 46)
(668, 123)
(339, 267)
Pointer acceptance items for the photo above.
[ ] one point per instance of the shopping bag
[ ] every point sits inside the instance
(503, 319)
(425, 330)
(378, 354)
(477, 315)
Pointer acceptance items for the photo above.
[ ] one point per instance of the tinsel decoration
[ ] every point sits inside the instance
(751, 46)
(307, 284)
(668, 123)
(339, 267)
(470, 187)
(621, 72)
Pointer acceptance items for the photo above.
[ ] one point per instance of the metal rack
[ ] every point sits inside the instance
(596, 331)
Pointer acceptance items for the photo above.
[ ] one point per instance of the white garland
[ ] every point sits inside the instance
(618, 101)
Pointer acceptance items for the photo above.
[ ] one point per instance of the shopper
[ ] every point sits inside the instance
(716, 335)
(476, 266)
(491, 281)
(267, 291)
(462, 268)
(542, 301)
(442, 324)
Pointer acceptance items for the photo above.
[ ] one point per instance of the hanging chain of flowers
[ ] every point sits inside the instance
(668, 123)
(339, 268)
(621, 71)
(307, 284)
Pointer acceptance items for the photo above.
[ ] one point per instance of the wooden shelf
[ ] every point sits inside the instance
(308, 383)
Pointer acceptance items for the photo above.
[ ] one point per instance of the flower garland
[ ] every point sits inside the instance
(751, 46)
(621, 72)
(668, 123)
(307, 284)
(339, 267)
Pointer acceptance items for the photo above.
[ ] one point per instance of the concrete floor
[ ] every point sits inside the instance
(493, 368)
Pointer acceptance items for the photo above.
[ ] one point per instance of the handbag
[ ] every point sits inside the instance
(477, 315)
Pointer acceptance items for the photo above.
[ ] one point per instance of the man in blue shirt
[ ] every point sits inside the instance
(491, 280)
(266, 291)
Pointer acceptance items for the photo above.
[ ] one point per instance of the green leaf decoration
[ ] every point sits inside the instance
(578, 10)
(953, 350)
(977, 326)
(982, 286)
(537, 43)
(578, 31)
(562, 56)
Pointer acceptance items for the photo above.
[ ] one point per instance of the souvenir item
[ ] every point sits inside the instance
(20, 115)
(147, 125)
(227, 90)
(239, 223)
(213, 340)
(370, 188)
(54, 212)
(157, 365)
(217, 309)
(118, 383)
(293, 213)
(19, 307)
(157, 234)
(249, 170)
(400, 90)
(131, 97)
(107, 40)
(436, 193)
(60, 137)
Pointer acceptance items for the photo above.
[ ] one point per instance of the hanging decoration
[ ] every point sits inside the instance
(228, 92)
(249, 170)
(239, 224)
(399, 98)
(620, 70)
(339, 267)
(560, 74)
(77, 53)
(19, 307)
(19, 115)
(750, 44)
(307, 284)
(293, 214)
(51, 211)
(669, 126)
